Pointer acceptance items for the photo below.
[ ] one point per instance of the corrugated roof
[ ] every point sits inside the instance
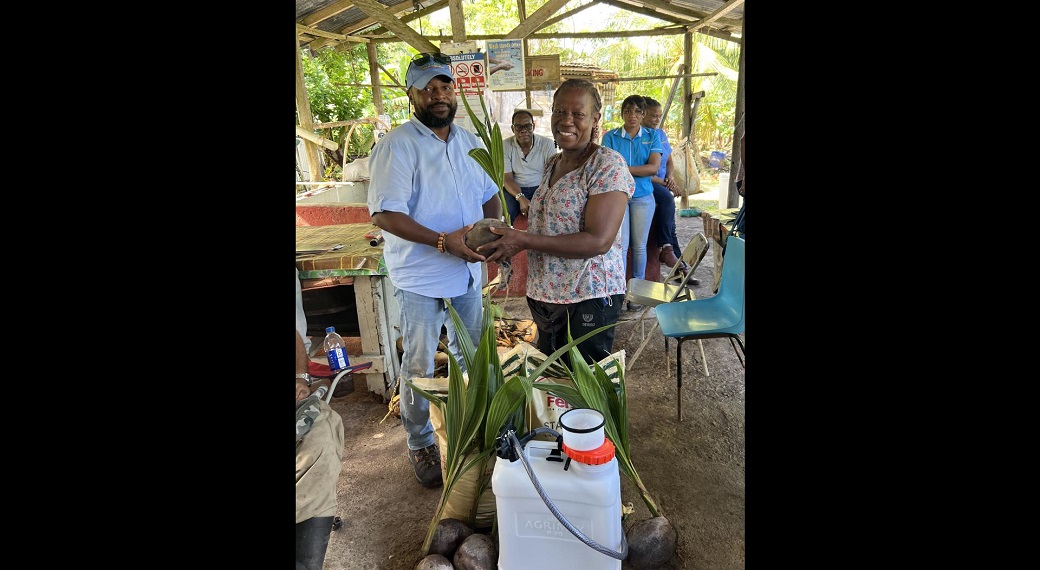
(718, 18)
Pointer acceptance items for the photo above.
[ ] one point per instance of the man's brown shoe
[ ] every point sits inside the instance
(426, 463)
(667, 256)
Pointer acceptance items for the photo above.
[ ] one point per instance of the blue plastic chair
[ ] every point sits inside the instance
(720, 316)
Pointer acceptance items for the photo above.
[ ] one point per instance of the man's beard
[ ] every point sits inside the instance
(427, 117)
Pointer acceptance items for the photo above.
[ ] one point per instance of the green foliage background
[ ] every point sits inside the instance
(328, 71)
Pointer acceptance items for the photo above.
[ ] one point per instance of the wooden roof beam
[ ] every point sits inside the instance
(566, 15)
(647, 12)
(670, 31)
(547, 36)
(412, 16)
(534, 21)
(403, 32)
(728, 36)
(326, 12)
(665, 6)
(717, 14)
(394, 10)
(322, 33)
(661, 7)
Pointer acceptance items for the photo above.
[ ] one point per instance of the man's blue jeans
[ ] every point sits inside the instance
(635, 229)
(421, 321)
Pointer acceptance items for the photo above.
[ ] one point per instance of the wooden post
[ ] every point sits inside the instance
(687, 120)
(738, 128)
(671, 96)
(693, 170)
(377, 89)
(303, 108)
(458, 21)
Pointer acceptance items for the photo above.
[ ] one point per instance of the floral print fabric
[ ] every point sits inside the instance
(560, 210)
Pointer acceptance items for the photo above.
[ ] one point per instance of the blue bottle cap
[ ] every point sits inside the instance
(330, 329)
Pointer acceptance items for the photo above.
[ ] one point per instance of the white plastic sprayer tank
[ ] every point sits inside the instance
(531, 537)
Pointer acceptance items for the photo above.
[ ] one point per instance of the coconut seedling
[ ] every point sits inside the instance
(492, 157)
(593, 389)
(479, 406)
(650, 541)
(475, 408)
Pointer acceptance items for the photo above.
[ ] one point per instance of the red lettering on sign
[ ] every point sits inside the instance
(553, 401)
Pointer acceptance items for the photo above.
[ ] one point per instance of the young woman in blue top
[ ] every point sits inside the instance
(641, 149)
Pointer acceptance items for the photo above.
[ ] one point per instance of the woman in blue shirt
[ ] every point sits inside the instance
(641, 148)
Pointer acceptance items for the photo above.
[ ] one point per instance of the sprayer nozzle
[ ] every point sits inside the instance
(504, 444)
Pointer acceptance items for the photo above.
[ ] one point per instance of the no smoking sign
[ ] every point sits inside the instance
(469, 72)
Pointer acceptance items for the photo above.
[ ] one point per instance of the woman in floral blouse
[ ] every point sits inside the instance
(575, 264)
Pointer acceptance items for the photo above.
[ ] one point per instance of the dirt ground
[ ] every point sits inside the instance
(694, 469)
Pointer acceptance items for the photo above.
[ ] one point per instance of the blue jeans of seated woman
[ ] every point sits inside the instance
(635, 229)
(421, 321)
(665, 216)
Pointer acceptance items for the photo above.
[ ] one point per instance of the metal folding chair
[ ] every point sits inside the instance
(674, 288)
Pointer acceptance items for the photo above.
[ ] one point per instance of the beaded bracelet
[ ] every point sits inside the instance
(440, 243)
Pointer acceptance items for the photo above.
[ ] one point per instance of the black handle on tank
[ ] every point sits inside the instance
(505, 450)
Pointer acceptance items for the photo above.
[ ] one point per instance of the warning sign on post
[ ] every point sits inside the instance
(468, 69)
(541, 70)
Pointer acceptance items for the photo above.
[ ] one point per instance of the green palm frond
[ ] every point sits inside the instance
(505, 404)
(492, 157)
(476, 408)
(594, 389)
(480, 404)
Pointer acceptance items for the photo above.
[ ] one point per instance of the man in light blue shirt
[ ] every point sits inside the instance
(426, 192)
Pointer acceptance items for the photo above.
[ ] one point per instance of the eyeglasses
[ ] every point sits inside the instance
(423, 59)
(522, 128)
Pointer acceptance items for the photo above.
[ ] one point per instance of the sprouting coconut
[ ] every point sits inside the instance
(480, 234)
(651, 543)
(477, 552)
(448, 536)
(434, 562)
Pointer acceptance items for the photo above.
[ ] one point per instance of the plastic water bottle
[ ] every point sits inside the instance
(335, 350)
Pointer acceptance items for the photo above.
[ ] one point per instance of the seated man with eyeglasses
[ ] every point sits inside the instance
(525, 156)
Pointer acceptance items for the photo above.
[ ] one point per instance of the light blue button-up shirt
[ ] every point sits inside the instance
(437, 184)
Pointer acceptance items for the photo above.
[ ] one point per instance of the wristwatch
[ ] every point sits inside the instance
(305, 377)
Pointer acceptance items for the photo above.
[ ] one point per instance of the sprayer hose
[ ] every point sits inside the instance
(559, 516)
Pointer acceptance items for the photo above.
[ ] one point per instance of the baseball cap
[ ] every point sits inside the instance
(425, 67)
